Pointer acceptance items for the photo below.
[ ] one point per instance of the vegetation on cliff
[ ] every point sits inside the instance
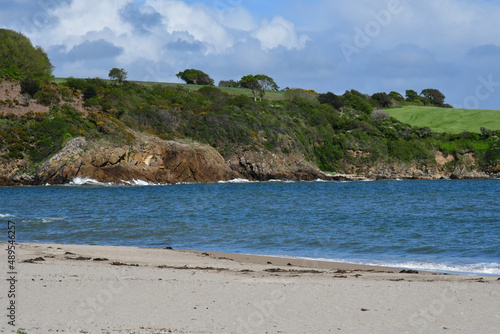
(347, 138)
(19, 59)
(340, 133)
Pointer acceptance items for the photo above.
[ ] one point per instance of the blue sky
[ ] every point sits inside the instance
(325, 45)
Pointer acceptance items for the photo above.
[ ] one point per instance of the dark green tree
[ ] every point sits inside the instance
(30, 87)
(89, 93)
(434, 96)
(251, 82)
(357, 101)
(19, 59)
(266, 84)
(195, 77)
(229, 83)
(118, 74)
(259, 84)
(411, 95)
(396, 96)
(382, 99)
(330, 98)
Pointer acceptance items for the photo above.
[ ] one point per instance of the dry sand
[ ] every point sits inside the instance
(95, 289)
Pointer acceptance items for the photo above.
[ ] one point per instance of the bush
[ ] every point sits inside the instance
(19, 59)
(357, 101)
(196, 77)
(48, 94)
(30, 86)
(334, 100)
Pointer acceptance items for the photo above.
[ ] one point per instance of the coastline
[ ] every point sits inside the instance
(112, 289)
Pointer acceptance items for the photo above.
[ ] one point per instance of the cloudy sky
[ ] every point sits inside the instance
(325, 45)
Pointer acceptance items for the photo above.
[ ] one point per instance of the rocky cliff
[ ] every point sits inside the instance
(263, 166)
(154, 160)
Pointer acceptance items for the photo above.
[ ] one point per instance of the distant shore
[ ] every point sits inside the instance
(101, 289)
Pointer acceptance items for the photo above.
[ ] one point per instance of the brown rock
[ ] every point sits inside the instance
(263, 166)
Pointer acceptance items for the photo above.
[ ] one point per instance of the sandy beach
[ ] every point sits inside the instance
(100, 289)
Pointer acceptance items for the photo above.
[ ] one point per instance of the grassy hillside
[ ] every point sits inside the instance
(337, 133)
(270, 96)
(448, 120)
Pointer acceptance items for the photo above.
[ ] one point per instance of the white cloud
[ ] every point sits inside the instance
(279, 32)
(195, 20)
(444, 44)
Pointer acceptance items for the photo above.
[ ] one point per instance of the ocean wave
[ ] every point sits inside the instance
(238, 181)
(87, 181)
(135, 182)
(470, 269)
(490, 269)
(280, 181)
(473, 268)
(51, 220)
(5, 215)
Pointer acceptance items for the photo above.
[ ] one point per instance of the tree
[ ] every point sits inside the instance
(266, 84)
(411, 95)
(357, 101)
(195, 77)
(250, 82)
(258, 84)
(19, 59)
(383, 100)
(229, 83)
(434, 96)
(334, 100)
(30, 86)
(396, 96)
(118, 74)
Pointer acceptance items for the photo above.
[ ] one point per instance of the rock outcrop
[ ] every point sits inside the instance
(263, 166)
(152, 160)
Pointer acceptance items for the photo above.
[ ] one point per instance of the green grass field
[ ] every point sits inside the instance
(447, 120)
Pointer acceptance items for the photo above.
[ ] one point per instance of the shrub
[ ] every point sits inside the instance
(330, 98)
(30, 86)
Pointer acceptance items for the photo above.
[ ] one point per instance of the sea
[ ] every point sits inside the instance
(450, 226)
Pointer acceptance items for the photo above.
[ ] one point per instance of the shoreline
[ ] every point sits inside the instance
(100, 289)
(292, 261)
(342, 178)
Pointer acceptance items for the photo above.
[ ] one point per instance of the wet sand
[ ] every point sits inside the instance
(100, 289)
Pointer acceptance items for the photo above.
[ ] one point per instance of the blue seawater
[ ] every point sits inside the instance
(445, 225)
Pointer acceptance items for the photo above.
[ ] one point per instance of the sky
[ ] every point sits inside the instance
(325, 45)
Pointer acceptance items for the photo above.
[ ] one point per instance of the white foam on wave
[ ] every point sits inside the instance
(82, 181)
(135, 182)
(6, 215)
(238, 181)
(491, 269)
(51, 220)
(474, 268)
